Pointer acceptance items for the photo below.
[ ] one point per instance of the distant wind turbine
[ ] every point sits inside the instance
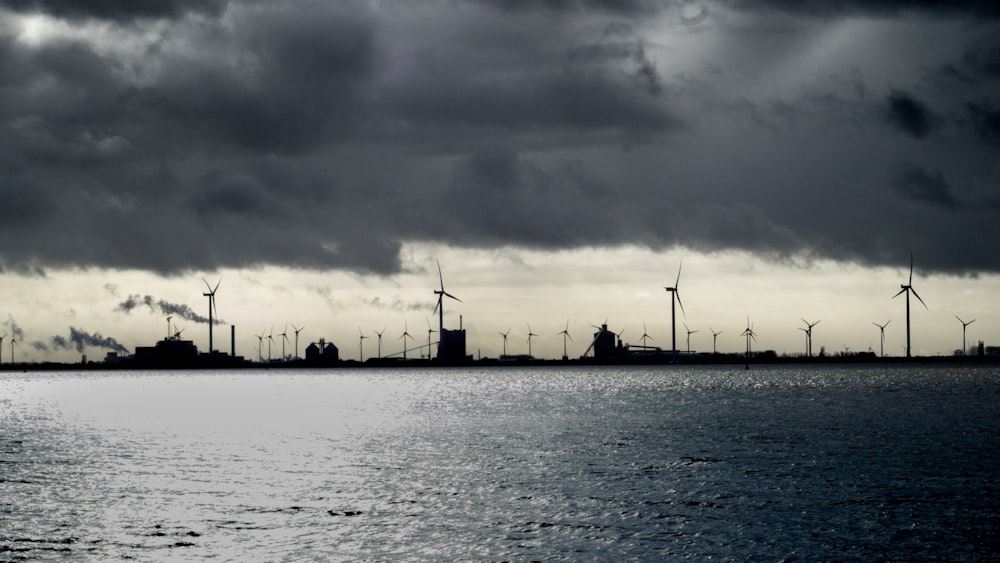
(379, 334)
(404, 336)
(809, 336)
(260, 346)
(284, 338)
(715, 335)
(530, 334)
(429, 332)
(270, 340)
(565, 335)
(12, 343)
(881, 330)
(689, 333)
(297, 331)
(908, 288)
(504, 335)
(361, 352)
(439, 307)
(964, 324)
(750, 334)
(1, 347)
(211, 309)
(645, 336)
(675, 296)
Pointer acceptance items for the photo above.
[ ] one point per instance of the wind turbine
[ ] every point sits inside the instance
(504, 335)
(881, 329)
(379, 334)
(689, 333)
(297, 331)
(361, 345)
(964, 324)
(1, 346)
(284, 338)
(260, 345)
(404, 336)
(270, 339)
(565, 335)
(211, 309)
(715, 335)
(675, 296)
(645, 336)
(12, 343)
(530, 334)
(809, 336)
(439, 307)
(750, 334)
(908, 288)
(429, 332)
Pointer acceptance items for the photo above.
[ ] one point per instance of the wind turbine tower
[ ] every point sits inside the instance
(297, 331)
(361, 345)
(881, 329)
(530, 334)
(689, 333)
(565, 335)
(439, 307)
(211, 309)
(379, 334)
(908, 288)
(715, 335)
(406, 334)
(429, 332)
(964, 324)
(675, 296)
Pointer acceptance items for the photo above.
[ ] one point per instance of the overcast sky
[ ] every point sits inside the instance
(320, 156)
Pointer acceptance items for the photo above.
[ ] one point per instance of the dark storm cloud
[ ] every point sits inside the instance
(175, 136)
(909, 114)
(115, 9)
(919, 185)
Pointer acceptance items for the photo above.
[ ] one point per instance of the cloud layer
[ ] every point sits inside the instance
(174, 136)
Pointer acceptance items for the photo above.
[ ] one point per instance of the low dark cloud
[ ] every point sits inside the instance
(909, 114)
(922, 186)
(327, 135)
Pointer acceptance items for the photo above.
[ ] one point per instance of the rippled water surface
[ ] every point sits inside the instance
(803, 464)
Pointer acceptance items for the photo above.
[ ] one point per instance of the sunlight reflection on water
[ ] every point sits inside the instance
(558, 463)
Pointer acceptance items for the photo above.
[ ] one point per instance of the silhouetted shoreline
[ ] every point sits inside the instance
(225, 363)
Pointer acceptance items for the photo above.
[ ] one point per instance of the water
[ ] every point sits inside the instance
(638, 463)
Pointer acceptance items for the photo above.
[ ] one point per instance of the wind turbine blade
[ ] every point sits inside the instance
(959, 319)
(217, 286)
(911, 270)
(570, 337)
(900, 293)
(919, 299)
(453, 297)
(678, 295)
(207, 284)
(970, 322)
(440, 276)
(436, 305)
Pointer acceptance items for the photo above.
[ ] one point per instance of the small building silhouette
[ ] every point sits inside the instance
(451, 347)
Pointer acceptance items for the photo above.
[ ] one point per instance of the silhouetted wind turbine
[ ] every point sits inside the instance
(270, 339)
(13, 341)
(284, 338)
(809, 336)
(565, 335)
(964, 324)
(714, 336)
(379, 334)
(361, 345)
(1, 346)
(530, 334)
(645, 336)
(750, 334)
(675, 296)
(429, 332)
(908, 288)
(260, 346)
(439, 307)
(689, 333)
(504, 335)
(297, 331)
(881, 329)
(211, 309)
(404, 336)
